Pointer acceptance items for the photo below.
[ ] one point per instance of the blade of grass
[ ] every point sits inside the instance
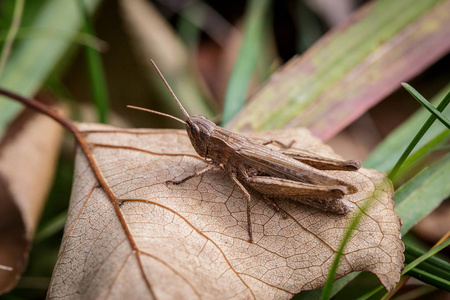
(426, 255)
(370, 293)
(95, 69)
(427, 105)
(51, 227)
(412, 270)
(421, 158)
(17, 16)
(32, 60)
(247, 60)
(432, 265)
(418, 136)
(429, 278)
(384, 157)
(81, 38)
(327, 288)
(430, 184)
(317, 293)
(432, 279)
(430, 269)
(422, 194)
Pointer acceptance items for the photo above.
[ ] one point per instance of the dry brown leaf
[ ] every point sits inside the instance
(28, 154)
(190, 241)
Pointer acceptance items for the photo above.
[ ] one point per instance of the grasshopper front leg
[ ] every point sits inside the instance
(325, 198)
(198, 173)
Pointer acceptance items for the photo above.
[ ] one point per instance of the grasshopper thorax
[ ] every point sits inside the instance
(199, 130)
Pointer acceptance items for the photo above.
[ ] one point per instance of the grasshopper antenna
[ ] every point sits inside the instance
(156, 112)
(168, 86)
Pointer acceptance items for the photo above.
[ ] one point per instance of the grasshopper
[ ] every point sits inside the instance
(294, 175)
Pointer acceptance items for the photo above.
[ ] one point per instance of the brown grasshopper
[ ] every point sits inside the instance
(297, 176)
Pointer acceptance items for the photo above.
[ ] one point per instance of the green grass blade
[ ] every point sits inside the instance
(430, 184)
(32, 60)
(427, 105)
(327, 288)
(431, 279)
(413, 271)
(371, 293)
(421, 158)
(418, 137)
(433, 265)
(80, 38)
(426, 255)
(384, 157)
(51, 227)
(17, 16)
(317, 293)
(247, 59)
(422, 194)
(95, 69)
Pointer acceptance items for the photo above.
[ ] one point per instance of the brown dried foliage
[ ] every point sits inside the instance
(130, 234)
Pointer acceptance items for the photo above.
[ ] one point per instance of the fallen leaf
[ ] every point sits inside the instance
(190, 241)
(28, 154)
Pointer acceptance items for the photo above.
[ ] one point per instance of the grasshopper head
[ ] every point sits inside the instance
(199, 130)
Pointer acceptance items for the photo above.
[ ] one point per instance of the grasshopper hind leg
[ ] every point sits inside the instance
(248, 197)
